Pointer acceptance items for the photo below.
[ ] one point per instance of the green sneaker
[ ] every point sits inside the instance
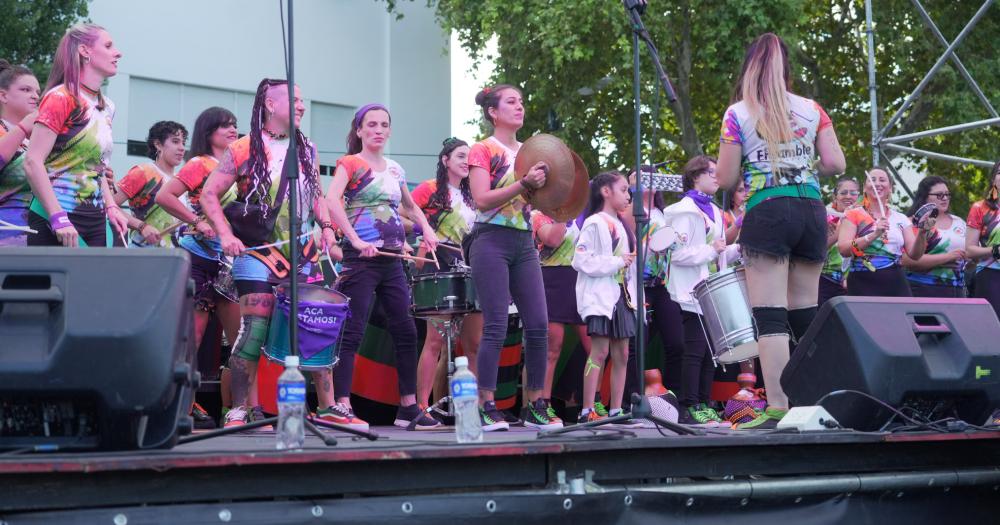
(551, 412)
(600, 409)
(692, 415)
(711, 413)
(768, 420)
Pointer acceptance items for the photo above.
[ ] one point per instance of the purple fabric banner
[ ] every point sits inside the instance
(320, 324)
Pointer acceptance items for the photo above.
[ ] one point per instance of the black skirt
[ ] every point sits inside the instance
(620, 326)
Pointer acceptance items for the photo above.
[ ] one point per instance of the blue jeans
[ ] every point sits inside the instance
(505, 265)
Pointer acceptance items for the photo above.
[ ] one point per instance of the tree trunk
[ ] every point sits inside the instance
(690, 142)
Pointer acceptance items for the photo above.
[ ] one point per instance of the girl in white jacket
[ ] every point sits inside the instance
(701, 239)
(605, 284)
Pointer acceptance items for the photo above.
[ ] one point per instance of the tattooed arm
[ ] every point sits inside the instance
(218, 183)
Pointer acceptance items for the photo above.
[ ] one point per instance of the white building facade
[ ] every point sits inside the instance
(183, 56)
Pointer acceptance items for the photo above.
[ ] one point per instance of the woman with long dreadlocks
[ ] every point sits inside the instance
(254, 163)
(366, 196)
(447, 203)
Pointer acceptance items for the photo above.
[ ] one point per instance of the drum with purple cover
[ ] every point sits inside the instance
(322, 314)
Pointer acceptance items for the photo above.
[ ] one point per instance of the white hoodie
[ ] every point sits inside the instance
(596, 263)
(689, 261)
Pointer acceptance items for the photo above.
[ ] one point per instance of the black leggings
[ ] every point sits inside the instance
(887, 282)
(828, 290)
(667, 322)
(988, 287)
(91, 226)
(697, 368)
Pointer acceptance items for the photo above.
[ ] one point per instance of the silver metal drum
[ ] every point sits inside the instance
(727, 315)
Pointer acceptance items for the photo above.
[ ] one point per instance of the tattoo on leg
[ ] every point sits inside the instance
(239, 380)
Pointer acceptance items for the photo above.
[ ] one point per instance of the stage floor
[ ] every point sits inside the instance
(247, 467)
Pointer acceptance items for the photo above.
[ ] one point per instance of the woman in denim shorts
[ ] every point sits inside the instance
(772, 138)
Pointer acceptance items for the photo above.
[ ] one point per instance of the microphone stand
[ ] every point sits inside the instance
(640, 405)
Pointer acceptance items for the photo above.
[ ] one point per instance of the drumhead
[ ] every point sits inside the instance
(662, 239)
(316, 294)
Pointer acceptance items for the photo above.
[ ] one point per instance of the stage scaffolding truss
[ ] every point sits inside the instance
(882, 138)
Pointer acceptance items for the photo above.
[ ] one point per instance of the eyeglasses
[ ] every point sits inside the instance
(852, 193)
(942, 196)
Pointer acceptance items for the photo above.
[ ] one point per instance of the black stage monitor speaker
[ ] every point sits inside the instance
(95, 348)
(940, 357)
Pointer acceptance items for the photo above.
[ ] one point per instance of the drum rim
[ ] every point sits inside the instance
(435, 275)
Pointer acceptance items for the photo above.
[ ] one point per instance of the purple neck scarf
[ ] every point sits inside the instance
(703, 201)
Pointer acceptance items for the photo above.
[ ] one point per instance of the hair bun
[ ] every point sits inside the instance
(4, 65)
(481, 96)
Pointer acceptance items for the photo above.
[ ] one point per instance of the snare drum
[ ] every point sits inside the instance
(224, 283)
(277, 337)
(727, 315)
(443, 294)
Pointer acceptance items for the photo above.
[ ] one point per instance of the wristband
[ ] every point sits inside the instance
(59, 221)
(996, 251)
(27, 132)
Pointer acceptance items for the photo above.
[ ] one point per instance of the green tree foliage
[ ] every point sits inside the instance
(574, 60)
(31, 29)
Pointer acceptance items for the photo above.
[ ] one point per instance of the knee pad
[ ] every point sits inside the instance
(771, 321)
(799, 320)
(252, 336)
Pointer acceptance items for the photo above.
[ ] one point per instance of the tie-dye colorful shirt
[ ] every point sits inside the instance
(82, 151)
(939, 242)
(836, 266)
(372, 199)
(235, 161)
(497, 159)
(986, 219)
(561, 255)
(193, 175)
(655, 272)
(885, 250)
(449, 225)
(15, 194)
(141, 185)
(806, 118)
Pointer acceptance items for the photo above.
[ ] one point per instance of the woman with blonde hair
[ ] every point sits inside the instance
(770, 140)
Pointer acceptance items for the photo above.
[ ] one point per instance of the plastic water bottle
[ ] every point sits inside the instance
(465, 398)
(291, 432)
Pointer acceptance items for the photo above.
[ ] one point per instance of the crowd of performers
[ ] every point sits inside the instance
(230, 197)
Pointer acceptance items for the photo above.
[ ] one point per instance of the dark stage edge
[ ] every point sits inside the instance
(244, 476)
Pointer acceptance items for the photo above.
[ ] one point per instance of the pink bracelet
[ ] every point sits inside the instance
(59, 221)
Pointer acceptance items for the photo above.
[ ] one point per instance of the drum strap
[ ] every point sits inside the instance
(276, 261)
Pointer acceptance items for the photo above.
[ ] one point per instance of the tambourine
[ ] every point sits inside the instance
(662, 239)
(927, 211)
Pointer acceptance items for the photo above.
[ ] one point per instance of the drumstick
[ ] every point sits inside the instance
(4, 225)
(169, 229)
(450, 247)
(434, 255)
(402, 256)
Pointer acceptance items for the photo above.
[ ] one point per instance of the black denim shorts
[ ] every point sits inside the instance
(785, 227)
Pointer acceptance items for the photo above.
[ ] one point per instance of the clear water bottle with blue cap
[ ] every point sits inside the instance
(465, 398)
(291, 432)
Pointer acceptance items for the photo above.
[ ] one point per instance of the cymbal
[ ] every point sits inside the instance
(577, 198)
(560, 178)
